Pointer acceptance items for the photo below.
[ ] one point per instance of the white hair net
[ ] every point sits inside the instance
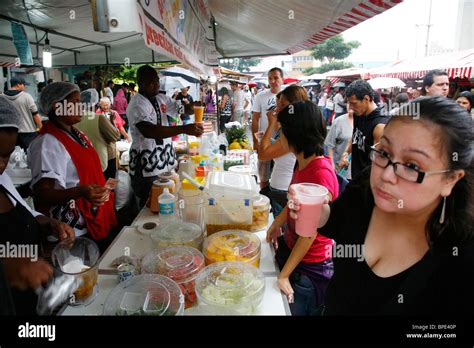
(9, 116)
(55, 92)
(90, 96)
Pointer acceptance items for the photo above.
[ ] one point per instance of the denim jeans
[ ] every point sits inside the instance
(309, 291)
(305, 301)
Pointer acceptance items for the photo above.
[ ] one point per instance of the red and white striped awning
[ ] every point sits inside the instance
(457, 64)
(363, 11)
(349, 74)
(273, 27)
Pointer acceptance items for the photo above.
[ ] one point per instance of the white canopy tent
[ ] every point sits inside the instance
(240, 28)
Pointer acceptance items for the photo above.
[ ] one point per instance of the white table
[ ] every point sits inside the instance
(274, 302)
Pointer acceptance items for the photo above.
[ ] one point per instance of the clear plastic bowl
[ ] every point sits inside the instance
(177, 233)
(182, 264)
(232, 245)
(231, 285)
(79, 258)
(149, 294)
(260, 214)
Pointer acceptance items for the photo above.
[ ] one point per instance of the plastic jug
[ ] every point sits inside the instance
(166, 201)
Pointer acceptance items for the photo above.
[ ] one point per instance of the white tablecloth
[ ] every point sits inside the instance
(274, 302)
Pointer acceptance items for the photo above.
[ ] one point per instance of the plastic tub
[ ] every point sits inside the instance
(261, 210)
(235, 286)
(232, 245)
(79, 258)
(181, 264)
(230, 203)
(177, 233)
(149, 294)
(228, 214)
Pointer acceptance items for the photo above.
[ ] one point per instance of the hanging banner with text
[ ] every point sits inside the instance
(180, 30)
(22, 45)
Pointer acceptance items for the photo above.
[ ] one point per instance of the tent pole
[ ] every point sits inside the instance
(217, 108)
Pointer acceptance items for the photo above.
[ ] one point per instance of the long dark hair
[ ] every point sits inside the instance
(458, 143)
(304, 128)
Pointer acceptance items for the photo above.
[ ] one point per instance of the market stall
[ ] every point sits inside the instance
(273, 302)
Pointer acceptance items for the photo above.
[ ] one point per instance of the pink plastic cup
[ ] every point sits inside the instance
(311, 199)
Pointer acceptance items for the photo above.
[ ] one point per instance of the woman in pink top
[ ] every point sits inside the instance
(121, 104)
(104, 108)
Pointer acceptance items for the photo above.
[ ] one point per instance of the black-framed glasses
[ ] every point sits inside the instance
(403, 170)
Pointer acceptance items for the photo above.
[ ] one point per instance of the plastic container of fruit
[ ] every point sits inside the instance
(181, 264)
(232, 285)
(232, 245)
(148, 294)
(177, 233)
(261, 210)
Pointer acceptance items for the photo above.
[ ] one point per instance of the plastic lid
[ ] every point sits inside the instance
(219, 183)
(262, 200)
(163, 182)
(177, 233)
(149, 294)
(230, 283)
(168, 175)
(232, 245)
(182, 263)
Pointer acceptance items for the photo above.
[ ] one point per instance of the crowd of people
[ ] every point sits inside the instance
(399, 178)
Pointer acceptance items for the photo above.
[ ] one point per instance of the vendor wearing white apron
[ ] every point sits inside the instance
(152, 150)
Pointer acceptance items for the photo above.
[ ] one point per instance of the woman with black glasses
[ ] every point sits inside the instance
(404, 228)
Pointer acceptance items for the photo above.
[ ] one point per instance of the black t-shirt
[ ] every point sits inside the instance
(436, 285)
(363, 139)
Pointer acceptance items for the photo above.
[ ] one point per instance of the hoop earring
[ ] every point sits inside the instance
(443, 211)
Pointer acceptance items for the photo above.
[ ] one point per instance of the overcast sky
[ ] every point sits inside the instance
(381, 37)
(393, 34)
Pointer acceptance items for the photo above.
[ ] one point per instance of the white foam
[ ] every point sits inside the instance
(74, 265)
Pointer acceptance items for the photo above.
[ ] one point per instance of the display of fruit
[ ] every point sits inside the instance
(181, 264)
(235, 145)
(237, 138)
(232, 246)
(234, 286)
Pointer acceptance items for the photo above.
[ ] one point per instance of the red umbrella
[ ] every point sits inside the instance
(290, 80)
(252, 84)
